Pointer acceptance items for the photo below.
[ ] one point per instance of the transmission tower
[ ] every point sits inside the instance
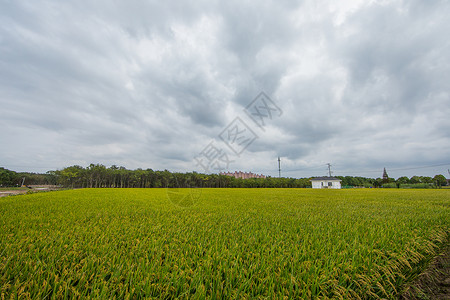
(385, 176)
(329, 169)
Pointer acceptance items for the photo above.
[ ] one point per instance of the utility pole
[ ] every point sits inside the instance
(279, 167)
(329, 169)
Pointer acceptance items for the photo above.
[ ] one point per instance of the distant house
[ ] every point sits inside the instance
(326, 183)
(243, 175)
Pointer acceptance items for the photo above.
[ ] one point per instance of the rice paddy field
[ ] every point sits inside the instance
(218, 243)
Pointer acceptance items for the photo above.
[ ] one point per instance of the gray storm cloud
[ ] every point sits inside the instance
(363, 85)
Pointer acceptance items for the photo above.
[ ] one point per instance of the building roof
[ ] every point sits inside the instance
(325, 178)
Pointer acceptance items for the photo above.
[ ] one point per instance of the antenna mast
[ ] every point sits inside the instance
(279, 167)
(329, 169)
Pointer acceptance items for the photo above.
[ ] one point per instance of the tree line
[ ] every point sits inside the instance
(100, 176)
(401, 182)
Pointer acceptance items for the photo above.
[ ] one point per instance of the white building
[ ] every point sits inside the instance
(326, 183)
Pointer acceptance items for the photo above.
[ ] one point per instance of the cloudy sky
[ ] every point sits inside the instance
(157, 84)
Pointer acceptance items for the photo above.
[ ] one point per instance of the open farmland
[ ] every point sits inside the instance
(230, 243)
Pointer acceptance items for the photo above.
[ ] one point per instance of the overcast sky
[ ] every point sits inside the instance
(157, 84)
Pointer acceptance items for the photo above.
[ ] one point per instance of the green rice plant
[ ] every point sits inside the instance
(417, 186)
(228, 243)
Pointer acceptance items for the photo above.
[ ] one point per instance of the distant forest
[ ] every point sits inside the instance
(100, 176)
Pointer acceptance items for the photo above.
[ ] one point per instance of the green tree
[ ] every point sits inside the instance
(426, 179)
(402, 180)
(415, 179)
(440, 180)
(7, 177)
(378, 182)
(71, 176)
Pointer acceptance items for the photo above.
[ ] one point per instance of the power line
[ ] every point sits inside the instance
(424, 167)
(372, 171)
(306, 168)
(30, 167)
(406, 169)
